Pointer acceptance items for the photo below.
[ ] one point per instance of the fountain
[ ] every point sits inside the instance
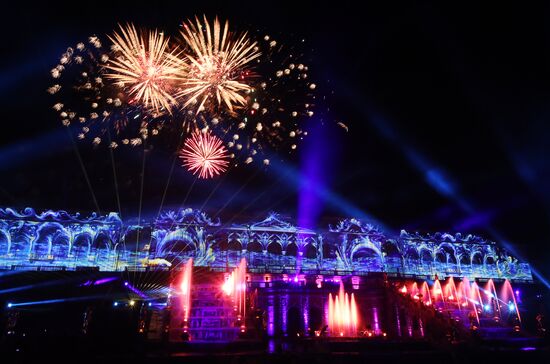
(508, 296)
(437, 292)
(492, 300)
(469, 296)
(474, 296)
(450, 292)
(414, 290)
(343, 314)
(426, 295)
(463, 292)
(185, 292)
(234, 287)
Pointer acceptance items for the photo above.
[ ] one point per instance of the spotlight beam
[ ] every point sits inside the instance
(295, 179)
(56, 300)
(433, 174)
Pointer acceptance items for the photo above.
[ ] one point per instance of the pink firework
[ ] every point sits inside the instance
(205, 154)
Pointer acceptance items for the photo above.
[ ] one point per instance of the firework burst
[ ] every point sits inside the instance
(204, 154)
(217, 65)
(92, 106)
(279, 107)
(251, 89)
(144, 67)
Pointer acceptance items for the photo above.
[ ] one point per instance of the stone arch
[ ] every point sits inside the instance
(412, 254)
(391, 249)
(448, 251)
(489, 259)
(365, 247)
(82, 246)
(102, 241)
(103, 245)
(366, 257)
(451, 259)
(61, 244)
(275, 248)
(446, 247)
(366, 253)
(476, 258)
(222, 243)
(441, 257)
(464, 259)
(254, 246)
(234, 245)
(175, 243)
(21, 241)
(42, 247)
(292, 249)
(426, 255)
(310, 251)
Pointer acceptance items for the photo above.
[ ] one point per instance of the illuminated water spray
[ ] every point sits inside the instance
(475, 294)
(492, 301)
(437, 292)
(470, 293)
(185, 295)
(414, 290)
(235, 288)
(426, 295)
(507, 295)
(343, 314)
(463, 290)
(469, 296)
(450, 292)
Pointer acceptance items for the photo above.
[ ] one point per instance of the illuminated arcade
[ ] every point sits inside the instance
(350, 280)
(272, 245)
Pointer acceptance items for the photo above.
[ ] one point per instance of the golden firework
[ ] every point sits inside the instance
(145, 67)
(217, 63)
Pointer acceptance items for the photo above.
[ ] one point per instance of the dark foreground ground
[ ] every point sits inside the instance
(305, 351)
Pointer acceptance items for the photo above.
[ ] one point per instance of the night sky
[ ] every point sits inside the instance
(448, 112)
